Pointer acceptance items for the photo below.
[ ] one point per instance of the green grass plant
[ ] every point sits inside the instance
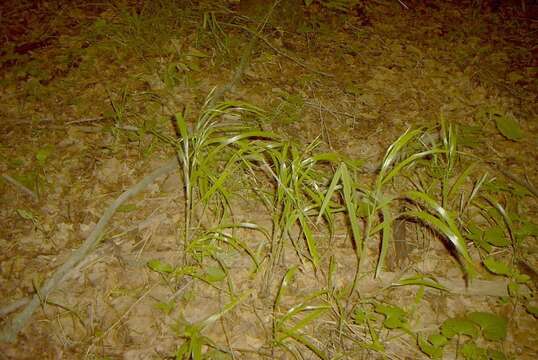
(424, 177)
(209, 153)
(289, 325)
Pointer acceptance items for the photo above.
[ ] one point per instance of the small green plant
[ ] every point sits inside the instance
(210, 153)
(296, 198)
(473, 326)
(289, 326)
(195, 341)
(303, 191)
(379, 213)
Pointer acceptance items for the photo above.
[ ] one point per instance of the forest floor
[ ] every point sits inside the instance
(366, 188)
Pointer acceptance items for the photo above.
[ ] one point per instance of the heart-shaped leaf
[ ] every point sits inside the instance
(493, 326)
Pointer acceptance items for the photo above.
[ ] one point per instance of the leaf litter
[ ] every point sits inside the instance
(87, 95)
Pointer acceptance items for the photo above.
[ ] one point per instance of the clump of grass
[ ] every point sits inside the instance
(291, 324)
(298, 184)
(210, 153)
(303, 190)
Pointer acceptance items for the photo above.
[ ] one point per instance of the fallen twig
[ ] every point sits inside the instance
(13, 327)
(20, 186)
(85, 120)
(14, 306)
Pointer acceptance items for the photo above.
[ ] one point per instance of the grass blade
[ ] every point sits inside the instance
(386, 239)
(351, 207)
(286, 280)
(310, 241)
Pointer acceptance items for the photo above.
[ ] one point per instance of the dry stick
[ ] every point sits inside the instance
(10, 331)
(17, 304)
(20, 186)
(85, 120)
(14, 306)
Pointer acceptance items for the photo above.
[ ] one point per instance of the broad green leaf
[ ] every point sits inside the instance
(160, 267)
(453, 327)
(438, 340)
(214, 274)
(395, 317)
(521, 278)
(493, 326)
(476, 234)
(360, 316)
(495, 236)
(508, 127)
(471, 351)
(497, 267)
(430, 349)
(527, 229)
